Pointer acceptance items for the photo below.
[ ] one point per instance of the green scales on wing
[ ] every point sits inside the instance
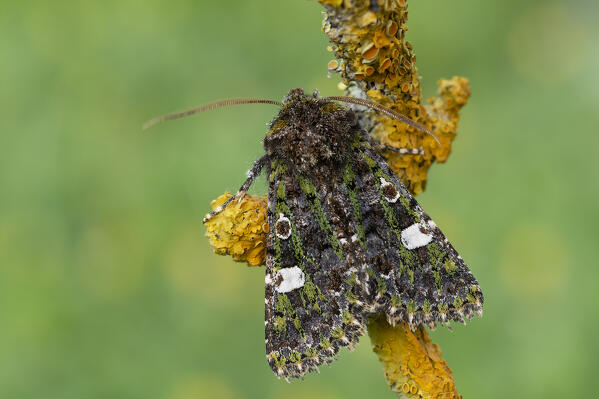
(346, 239)
(311, 310)
(359, 244)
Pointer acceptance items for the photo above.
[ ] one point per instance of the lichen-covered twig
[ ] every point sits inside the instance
(412, 362)
(377, 63)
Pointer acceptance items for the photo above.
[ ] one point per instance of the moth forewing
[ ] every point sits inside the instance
(347, 240)
(361, 242)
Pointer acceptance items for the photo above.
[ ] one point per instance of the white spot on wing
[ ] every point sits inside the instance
(385, 183)
(283, 223)
(412, 237)
(289, 279)
(267, 279)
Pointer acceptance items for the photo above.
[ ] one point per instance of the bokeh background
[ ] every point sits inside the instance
(108, 288)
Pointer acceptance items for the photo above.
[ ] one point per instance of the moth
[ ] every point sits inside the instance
(346, 239)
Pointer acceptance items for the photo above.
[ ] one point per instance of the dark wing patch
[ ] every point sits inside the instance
(348, 242)
(414, 274)
(312, 308)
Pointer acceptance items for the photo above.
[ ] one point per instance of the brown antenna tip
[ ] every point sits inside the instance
(207, 107)
(385, 111)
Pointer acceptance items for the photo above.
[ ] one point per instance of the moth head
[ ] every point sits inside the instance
(297, 94)
(310, 130)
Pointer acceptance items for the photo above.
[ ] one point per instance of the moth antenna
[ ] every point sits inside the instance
(208, 107)
(385, 111)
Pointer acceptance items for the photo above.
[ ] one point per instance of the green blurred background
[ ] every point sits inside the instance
(108, 288)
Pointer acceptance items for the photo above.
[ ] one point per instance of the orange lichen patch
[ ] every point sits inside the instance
(413, 364)
(370, 55)
(334, 64)
(366, 19)
(359, 40)
(367, 46)
(370, 52)
(391, 28)
(441, 117)
(380, 39)
(334, 3)
(241, 229)
(386, 63)
(443, 113)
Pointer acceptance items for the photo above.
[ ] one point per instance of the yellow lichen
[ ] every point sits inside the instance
(377, 61)
(413, 364)
(335, 3)
(240, 230)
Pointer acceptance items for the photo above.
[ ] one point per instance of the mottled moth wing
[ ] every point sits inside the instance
(413, 273)
(346, 241)
(312, 306)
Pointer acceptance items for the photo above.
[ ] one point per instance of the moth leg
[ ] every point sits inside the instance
(403, 151)
(252, 175)
(379, 146)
